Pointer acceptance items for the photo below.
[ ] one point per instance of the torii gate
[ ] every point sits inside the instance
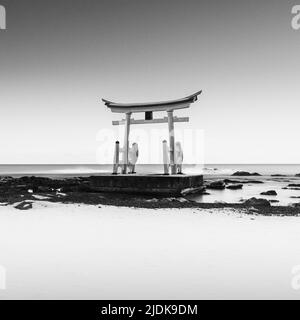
(149, 108)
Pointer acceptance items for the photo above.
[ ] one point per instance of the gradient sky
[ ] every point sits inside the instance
(59, 58)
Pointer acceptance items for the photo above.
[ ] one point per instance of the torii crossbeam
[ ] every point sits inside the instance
(149, 108)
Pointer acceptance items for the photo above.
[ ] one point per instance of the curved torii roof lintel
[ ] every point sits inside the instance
(152, 106)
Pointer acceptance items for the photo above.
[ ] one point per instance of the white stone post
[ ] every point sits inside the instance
(116, 158)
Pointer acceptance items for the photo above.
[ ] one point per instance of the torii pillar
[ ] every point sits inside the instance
(126, 142)
(171, 141)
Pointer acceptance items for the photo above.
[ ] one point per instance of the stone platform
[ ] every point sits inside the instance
(172, 185)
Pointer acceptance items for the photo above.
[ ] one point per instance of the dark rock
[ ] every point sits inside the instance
(274, 201)
(242, 181)
(278, 175)
(254, 181)
(254, 202)
(295, 197)
(253, 211)
(67, 188)
(21, 186)
(296, 205)
(280, 180)
(269, 193)
(297, 175)
(218, 185)
(85, 188)
(232, 181)
(235, 186)
(297, 185)
(6, 179)
(245, 173)
(24, 205)
(44, 189)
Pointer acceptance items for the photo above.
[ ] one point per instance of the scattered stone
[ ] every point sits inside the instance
(198, 190)
(232, 181)
(227, 181)
(2, 204)
(273, 201)
(44, 189)
(24, 205)
(254, 202)
(21, 186)
(295, 197)
(182, 200)
(245, 173)
(254, 181)
(278, 175)
(60, 194)
(170, 199)
(269, 193)
(297, 175)
(66, 189)
(279, 180)
(235, 186)
(152, 200)
(39, 197)
(217, 185)
(253, 210)
(6, 179)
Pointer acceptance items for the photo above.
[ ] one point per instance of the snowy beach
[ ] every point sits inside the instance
(71, 242)
(64, 251)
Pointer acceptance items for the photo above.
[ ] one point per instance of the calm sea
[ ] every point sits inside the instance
(91, 169)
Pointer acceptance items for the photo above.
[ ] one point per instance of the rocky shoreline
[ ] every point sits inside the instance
(22, 192)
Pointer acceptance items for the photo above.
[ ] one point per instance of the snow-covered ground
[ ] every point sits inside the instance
(57, 251)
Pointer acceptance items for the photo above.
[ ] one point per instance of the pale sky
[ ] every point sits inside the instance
(59, 58)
